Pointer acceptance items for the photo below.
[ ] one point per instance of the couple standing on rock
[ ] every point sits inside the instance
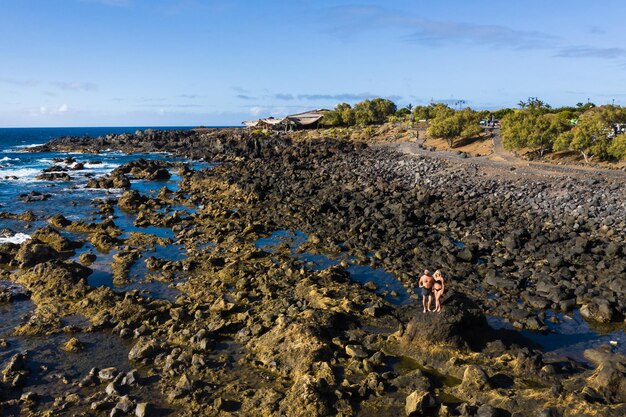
(431, 285)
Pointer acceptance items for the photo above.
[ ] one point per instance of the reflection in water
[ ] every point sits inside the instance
(569, 335)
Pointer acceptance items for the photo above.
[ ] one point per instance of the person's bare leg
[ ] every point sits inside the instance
(424, 302)
(430, 300)
(437, 301)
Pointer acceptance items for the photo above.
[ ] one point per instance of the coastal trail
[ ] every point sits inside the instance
(502, 162)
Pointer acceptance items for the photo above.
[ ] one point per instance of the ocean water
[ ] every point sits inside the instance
(19, 171)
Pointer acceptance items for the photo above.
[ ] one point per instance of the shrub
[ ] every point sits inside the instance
(449, 126)
(617, 148)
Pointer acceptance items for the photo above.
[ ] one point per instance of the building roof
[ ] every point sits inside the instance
(300, 119)
(271, 121)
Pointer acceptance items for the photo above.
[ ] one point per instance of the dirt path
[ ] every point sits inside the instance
(502, 162)
(502, 155)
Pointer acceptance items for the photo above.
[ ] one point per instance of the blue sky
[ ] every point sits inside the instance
(192, 62)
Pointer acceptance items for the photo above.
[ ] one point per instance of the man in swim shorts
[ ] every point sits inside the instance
(426, 284)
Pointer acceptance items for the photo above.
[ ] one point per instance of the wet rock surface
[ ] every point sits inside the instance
(271, 332)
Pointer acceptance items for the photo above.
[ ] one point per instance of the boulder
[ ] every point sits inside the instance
(125, 404)
(73, 345)
(58, 221)
(419, 403)
(103, 241)
(145, 348)
(159, 174)
(502, 283)
(460, 323)
(412, 381)
(131, 200)
(465, 255)
(305, 398)
(117, 180)
(600, 311)
(143, 410)
(87, 258)
(107, 374)
(56, 280)
(609, 377)
(54, 239)
(54, 176)
(536, 301)
(356, 351)
(146, 169)
(54, 168)
(474, 379)
(294, 347)
(7, 252)
(33, 252)
(15, 372)
(486, 410)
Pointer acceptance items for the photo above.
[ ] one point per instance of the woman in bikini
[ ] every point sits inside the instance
(438, 288)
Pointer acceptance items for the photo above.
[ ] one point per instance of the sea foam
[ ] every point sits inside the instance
(17, 238)
(22, 174)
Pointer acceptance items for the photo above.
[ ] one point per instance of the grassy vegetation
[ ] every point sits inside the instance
(587, 129)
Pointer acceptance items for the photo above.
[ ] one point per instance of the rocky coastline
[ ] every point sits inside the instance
(265, 332)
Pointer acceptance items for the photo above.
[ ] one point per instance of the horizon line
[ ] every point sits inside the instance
(118, 126)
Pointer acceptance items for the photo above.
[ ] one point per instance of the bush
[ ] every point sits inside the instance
(530, 128)
(260, 132)
(367, 112)
(617, 148)
(331, 118)
(592, 134)
(375, 111)
(451, 125)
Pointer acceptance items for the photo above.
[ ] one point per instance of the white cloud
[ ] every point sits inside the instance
(20, 82)
(44, 110)
(76, 86)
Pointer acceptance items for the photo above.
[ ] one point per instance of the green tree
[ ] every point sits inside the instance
(439, 110)
(342, 115)
(617, 148)
(402, 113)
(562, 142)
(346, 113)
(462, 124)
(432, 111)
(375, 111)
(590, 138)
(529, 128)
(593, 134)
(363, 113)
(421, 112)
(516, 127)
(331, 118)
(499, 114)
(534, 104)
(383, 108)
